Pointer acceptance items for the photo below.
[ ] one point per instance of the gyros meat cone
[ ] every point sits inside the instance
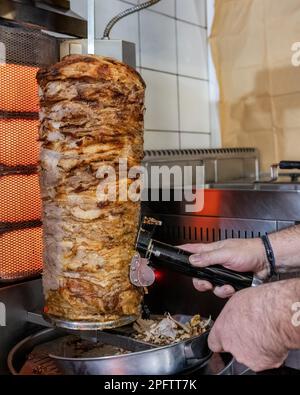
(91, 116)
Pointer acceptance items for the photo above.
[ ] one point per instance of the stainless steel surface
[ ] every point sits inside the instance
(38, 319)
(162, 361)
(250, 208)
(170, 359)
(293, 360)
(45, 16)
(263, 185)
(18, 299)
(116, 338)
(121, 50)
(18, 354)
(219, 364)
(91, 27)
(124, 51)
(221, 165)
(120, 340)
(125, 13)
(274, 172)
(256, 282)
(88, 325)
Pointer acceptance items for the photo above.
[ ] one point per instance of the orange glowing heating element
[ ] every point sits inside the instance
(18, 88)
(20, 249)
(19, 198)
(18, 142)
(20, 253)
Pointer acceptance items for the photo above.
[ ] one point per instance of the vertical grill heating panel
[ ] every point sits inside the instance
(26, 50)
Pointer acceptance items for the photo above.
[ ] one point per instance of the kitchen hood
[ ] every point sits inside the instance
(52, 15)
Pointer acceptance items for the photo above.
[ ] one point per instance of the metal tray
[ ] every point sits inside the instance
(88, 325)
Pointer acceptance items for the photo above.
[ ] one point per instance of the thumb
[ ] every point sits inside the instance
(214, 342)
(216, 257)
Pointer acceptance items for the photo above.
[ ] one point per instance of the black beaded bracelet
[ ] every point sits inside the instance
(270, 254)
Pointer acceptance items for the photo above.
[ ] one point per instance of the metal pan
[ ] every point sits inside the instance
(219, 364)
(172, 359)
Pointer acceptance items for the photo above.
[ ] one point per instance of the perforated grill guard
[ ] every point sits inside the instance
(23, 50)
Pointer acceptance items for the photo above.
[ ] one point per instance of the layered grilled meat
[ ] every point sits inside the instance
(91, 116)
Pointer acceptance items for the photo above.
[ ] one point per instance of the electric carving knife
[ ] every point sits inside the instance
(153, 254)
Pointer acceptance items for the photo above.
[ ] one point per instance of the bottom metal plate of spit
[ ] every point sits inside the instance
(89, 325)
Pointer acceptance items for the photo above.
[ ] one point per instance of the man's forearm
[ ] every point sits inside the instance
(286, 246)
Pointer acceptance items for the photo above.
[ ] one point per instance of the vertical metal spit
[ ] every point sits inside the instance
(91, 26)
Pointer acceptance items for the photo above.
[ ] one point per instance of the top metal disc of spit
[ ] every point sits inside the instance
(89, 325)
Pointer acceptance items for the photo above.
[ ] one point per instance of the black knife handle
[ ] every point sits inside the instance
(289, 165)
(173, 258)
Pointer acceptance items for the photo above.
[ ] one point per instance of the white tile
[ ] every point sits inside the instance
(126, 29)
(194, 105)
(194, 140)
(192, 50)
(161, 140)
(161, 101)
(210, 14)
(165, 6)
(158, 41)
(80, 7)
(193, 11)
(134, 2)
(214, 95)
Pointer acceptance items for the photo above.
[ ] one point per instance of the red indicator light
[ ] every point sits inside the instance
(158, 275)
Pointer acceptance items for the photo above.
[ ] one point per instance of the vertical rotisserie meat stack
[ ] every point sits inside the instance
(91, 116)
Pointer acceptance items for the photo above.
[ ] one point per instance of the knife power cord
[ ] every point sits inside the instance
(125, 13)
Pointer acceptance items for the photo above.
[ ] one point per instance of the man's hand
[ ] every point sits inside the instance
(247, 256)
(255, 325)
(235, 254)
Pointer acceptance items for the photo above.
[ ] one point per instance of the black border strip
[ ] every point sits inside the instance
(6, 227)
(26, 170)
(18, 115)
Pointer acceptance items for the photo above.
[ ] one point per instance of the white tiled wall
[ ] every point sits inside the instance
(173, 58)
